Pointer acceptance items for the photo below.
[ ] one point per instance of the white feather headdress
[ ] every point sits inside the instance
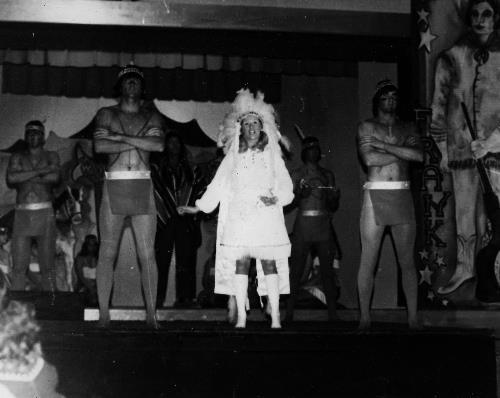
(243, 105)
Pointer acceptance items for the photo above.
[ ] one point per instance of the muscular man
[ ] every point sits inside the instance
(33, 174)
(317, 198)
(386, 146)
(468, 72)
(128, 132)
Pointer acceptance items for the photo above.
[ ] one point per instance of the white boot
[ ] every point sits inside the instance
(241, 287)
(273, 296)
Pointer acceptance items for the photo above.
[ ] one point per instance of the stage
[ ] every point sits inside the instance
(197, 354)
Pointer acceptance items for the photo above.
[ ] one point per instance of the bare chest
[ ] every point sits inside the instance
(394, 134)
(313, 177)
(133, 124)
(29, 162)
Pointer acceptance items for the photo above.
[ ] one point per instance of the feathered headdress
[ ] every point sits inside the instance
(246, 104)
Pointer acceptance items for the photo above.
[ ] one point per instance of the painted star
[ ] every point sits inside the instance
(423, 16)
(424, 254)
(426, 38)
(425, 275)
(440, 261)
(431, 295)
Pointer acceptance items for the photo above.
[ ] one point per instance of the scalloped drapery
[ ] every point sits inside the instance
(199, 77)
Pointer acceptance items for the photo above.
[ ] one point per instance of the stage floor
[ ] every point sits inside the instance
(197, 354)
(308, 359)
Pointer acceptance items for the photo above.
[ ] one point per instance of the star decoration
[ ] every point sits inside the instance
(423, 16)
(431, 295)
(426, 38)
(424, 254)
(425, 275)
(440, 261)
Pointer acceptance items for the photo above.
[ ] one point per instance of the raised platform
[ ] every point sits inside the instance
(466, 319)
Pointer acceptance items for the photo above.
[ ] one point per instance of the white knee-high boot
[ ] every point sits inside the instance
(241, 288)
(273, 295)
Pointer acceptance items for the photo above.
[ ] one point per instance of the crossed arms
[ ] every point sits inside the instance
(378, 153)
(49, 174)
(108, 141)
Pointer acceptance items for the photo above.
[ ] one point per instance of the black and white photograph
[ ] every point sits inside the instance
(249, 198)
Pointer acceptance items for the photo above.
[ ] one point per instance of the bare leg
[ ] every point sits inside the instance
(21, 251)
(371, 236)
(46, 257)
(273, 291)
(404, 239)
(110, 227)
(232, 311)
(241, 290)
(144, 227)
(164, 247)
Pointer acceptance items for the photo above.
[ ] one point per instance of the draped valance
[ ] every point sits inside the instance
(181, 76)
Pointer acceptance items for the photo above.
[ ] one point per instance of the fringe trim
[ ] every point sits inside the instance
(491, 161)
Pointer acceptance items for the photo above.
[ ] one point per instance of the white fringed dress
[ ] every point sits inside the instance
(246, 226)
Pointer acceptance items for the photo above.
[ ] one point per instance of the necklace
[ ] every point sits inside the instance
(137, 134)
(34, 166)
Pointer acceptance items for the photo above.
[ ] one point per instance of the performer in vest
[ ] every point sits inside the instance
(317, 197)
(387, 146)
(33, 174)
(251, 186)
(176, 183)
(128, 132)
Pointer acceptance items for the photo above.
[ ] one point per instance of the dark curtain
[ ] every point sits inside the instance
(164, 84)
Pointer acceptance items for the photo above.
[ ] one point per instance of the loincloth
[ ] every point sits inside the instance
(130, 192)
(33, 219)
(392, 202)
(313, 226)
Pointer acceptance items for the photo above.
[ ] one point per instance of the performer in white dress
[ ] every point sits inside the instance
(251, 186)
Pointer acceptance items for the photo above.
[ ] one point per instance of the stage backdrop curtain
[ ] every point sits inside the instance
(198, 77)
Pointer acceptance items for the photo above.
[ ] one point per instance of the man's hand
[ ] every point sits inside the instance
(443, 164)
(187, 210)
(304, 189)
(484, 146)
(269, 200)
(411, 141)
(479, 148)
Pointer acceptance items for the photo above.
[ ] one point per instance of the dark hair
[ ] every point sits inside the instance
(36, 123)
(85, 251)
(183, 155)
(376, 98)
(304, 150)
(493, 4)
(261, 144)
